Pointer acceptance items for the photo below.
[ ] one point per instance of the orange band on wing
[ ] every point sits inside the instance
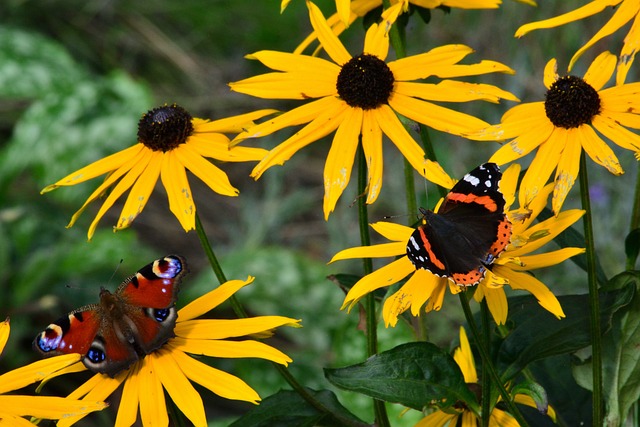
(427, 247)
(485, 201)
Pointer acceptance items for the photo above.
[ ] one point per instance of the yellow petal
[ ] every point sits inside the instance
(320, 127)
(289, 62)
(523, 399)
(328, 39)
(419, 66)
(438, 419)
(385, 276)
(382, 250)
(224, 328)
(5, 329)
(303, 114)
(129, 402)
(140, 192)
(219, 382)
(623, 14)
(339, 164)
(508, 184)
(230, 349)
(173, 379)
(568, 167)
(550, 73)
(530, 284)
(611, 128)
(543, 164)
(174, 180)
(99, 167)
(464, 358)
(233, 124)
(391, 126)
(392, 231)
(153, 409)
(533, 137)
(217, 146)
(531, 262)
(344, 10)
(372, 146)
(123, 185)
(97, 388)
(212, 299)
(547, 230)
(582, 12)
(497, 303)
(483, 67)
(47, 407)
(376, 41)
(453, 91)
(435, 116)
(629, 50)
(414, 293)
(210, 174)
(501, 418)
(290, 85)
(600, 70)
(517, 122)
(599, 151)
(36, 371)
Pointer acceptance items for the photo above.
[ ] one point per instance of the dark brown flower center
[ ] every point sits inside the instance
(365, 82)
(571, 102)
(164, 128)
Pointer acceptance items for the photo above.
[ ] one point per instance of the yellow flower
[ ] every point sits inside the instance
(498, 418)
(625, 11)
(13, 407)
(358, 97)
(171, 368)
(508, 269)
(575, 116)
(170, 141)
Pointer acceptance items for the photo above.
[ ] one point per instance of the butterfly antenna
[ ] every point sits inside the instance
(116, 270)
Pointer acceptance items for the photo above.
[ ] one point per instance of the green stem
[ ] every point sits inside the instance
(484, 354)
(215, 266)
(380, 410)
(635, 218)
(486, 379)
(594, 300)
(242, 313)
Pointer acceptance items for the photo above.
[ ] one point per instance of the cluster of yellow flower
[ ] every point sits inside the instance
(357, 98)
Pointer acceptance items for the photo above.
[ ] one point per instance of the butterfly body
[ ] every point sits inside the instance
(123, 326)
(467, 232)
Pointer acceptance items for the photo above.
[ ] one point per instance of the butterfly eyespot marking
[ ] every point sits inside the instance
(160, 314)
(96, 354)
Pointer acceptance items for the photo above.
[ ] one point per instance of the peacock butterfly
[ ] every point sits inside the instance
(124, 326)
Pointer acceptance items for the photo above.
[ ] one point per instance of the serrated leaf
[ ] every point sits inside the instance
(539, 334)
(32, 66)
(415, 375)
(620, 356)
(288, 409)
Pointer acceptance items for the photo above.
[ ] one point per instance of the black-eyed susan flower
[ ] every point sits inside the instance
(576, 114)
(625, 11)
(172, 369)
(170, 142)
(14, 407)
(510, 268)
(360, 97)
(498, 418)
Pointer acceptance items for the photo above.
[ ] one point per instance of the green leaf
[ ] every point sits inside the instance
(538, 334)
(620, 356)
(535, 391)
(32, 66)
(632, 246)
(288, 409)
(415, 375)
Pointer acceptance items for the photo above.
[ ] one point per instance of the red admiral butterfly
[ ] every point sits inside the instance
(467, 233)
(124, 326)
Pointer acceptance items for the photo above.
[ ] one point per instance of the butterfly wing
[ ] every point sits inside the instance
(149, 299)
